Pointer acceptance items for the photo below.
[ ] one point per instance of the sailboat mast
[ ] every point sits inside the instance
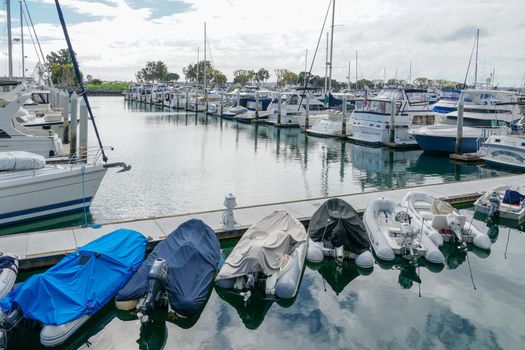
(9, 38)
(476, 66)
(410, 74)
(356, 75)
(205, 83)
(331, 47)
(197, 79)
(326, 66)
(22, 40)
(349, 70)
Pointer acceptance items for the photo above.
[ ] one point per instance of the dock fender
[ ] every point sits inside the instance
(365, 260)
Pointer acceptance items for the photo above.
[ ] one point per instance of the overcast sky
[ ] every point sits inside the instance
(114, 38)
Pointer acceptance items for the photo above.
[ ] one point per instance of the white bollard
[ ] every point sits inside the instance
(64, 103)
(73, 124)
(228, 220)
(83, 132)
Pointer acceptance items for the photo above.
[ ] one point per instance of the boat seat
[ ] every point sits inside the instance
(510, 207)
(440, 221)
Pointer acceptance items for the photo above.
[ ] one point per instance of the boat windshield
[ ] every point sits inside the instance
(389, 94)
(381, 107)
(415, 97)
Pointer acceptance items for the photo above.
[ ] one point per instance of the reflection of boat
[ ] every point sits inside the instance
(252, 311)
(444, 223)
(338, 274)
(180, 269)
(335, 230)
(504, 201)
(269, 256)
(392, 233)
(67, 295)
(409, 273)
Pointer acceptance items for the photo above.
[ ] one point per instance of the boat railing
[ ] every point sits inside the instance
(93, 155)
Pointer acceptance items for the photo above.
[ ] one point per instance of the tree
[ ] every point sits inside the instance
(153, 72)
(242, 76)
(96, 81)
(216, 77)
(213, 76)
(172, 77)
(262, 75)
(286, 77)
(60, 66)
(422, 83)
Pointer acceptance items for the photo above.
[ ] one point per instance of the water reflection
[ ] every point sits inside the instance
(338, 275)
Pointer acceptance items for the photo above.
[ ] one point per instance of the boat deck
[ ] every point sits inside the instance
(41, 249)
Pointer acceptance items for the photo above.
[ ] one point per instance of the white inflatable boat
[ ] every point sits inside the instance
(504, 201)
(270, 255)
(391, 233)
(8, 273)
(441, 222)
(335, 230)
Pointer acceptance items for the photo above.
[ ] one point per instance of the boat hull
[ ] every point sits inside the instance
(440, 144)
(49, 193)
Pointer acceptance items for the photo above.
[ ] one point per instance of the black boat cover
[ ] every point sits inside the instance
(193, 255)
(338, 223)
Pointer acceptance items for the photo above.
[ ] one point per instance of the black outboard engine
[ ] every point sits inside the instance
(494, 201)
(8, 322)
(158, 279)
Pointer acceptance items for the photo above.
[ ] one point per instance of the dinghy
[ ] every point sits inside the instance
(8, 273)
(391, 233)
(441, 222)
(63, 298)
(180, 270)
(505, 202)
(269, 256)
(336, 230)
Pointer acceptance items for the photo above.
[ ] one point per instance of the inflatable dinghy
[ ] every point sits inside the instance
(269, 256)
(336, 230)
(64, 297)
(8, 273)
(180, 270)
(444, 223)
(504, 202)
(391, 233)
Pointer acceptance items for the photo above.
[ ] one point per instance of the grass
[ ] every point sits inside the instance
(116, 86)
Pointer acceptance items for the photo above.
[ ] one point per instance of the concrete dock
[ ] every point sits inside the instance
(42, 249)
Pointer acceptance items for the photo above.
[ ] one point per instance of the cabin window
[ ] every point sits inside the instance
(4, 135)
(497, 140)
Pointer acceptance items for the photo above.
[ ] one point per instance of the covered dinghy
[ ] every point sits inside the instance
(336, 230)
(192, 255)
(272, 253)
(77, 287)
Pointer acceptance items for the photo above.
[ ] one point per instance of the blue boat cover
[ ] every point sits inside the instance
(193, 255)
(82, 282)
(513, 197)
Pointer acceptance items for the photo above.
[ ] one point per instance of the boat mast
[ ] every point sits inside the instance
(356, 71)
(331, 48)
(205, 82)
(410, 74)
(22, 40)
(476, 65)
(306, 66)
(349, 70)
(9, 38)
(326, 66)
(197, 79)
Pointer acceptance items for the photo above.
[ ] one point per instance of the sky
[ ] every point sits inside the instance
(115, 38)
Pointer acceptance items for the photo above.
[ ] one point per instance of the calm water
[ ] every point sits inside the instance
(184, 163)
(396, 306)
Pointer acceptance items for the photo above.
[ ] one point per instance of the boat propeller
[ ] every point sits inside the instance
(494, 201)
(409, 235)
(457, 228)
(3, 339)
(158, 279)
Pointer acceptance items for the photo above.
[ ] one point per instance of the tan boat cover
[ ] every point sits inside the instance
(440, 207)
(262, 247)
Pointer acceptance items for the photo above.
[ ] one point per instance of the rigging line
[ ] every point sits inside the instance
(307, 77)
(33, 27)
(470, 271)
(507, 245)
(211, 56)
(33, 41)
(79, 79)
(469, 62)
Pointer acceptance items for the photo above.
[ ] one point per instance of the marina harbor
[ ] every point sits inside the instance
(262, 175)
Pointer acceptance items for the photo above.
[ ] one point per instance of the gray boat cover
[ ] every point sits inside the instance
(263, 246)
(337, 222)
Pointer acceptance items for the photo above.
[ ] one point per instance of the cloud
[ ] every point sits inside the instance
(435, 37)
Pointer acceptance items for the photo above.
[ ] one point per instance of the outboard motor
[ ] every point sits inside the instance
(7, 323)
(456, 227)
(158, 279)
(408, 235)
(494, 201)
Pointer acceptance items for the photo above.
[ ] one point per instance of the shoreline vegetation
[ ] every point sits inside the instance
(106, 89)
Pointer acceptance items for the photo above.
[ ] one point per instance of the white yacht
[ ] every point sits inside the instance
(15, 137)
(293, 110)
(504, 151)
(330, 127)
(371, 123)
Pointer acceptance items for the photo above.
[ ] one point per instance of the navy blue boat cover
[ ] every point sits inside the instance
(82, 282)
(513, 197)
(193, 255)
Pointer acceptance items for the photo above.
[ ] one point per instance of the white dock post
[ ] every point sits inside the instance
(178, 99)
(83, 132)
(228, 220)
(64, 103)
(459, 131)
(187, 98)
(256, 105)
(307, 117)
(222, 103)
(392, 138)
(343, 107)
(73, 125)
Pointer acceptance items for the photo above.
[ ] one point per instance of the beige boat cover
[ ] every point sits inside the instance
(263, 246)
(440, 207)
